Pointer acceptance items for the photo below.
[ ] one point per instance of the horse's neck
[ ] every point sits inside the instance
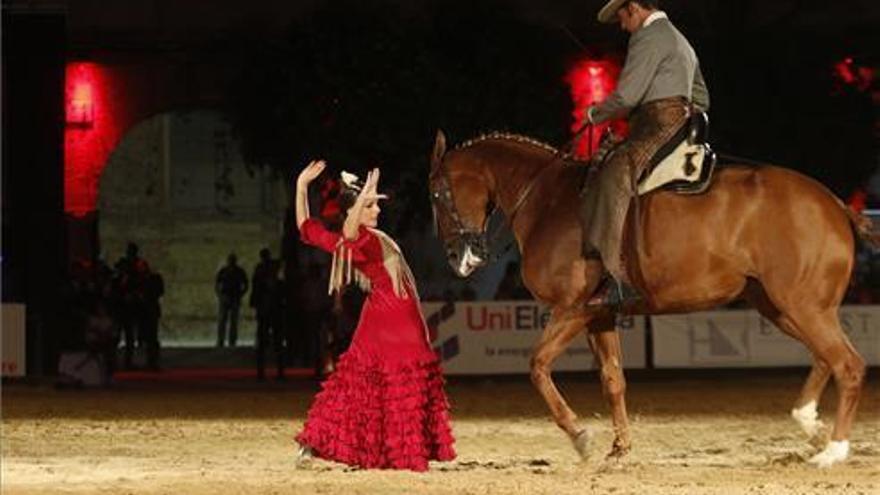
(512, 177)
(514, 174)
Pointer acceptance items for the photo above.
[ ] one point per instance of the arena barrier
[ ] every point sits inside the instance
(13, 341)
(497, 337)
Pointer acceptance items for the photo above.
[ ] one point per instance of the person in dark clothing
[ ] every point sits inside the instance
(511, 287)
(267, 301)
(316, 324)
(100, 336)
(89, 347)
(131, 273)
(154, 288)
(231, 284)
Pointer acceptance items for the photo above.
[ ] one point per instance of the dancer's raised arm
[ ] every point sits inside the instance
(367, 194)
(308, 174)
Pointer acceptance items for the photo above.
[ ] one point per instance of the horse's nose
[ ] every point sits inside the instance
(452, 254)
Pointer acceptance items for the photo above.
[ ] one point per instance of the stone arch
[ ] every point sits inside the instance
(177, 186)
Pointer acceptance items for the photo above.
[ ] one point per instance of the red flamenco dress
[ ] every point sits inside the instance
(384, 405)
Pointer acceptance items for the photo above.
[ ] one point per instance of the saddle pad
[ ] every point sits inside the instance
(683, 164)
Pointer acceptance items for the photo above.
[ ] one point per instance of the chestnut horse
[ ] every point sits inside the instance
(773, 236)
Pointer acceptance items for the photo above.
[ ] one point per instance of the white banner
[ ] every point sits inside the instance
(498, 337)
(13, 331)
(744, 339)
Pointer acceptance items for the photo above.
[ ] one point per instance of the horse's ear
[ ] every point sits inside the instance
(439, 149)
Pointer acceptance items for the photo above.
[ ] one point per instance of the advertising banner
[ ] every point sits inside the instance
(497, 337)
(743, 339)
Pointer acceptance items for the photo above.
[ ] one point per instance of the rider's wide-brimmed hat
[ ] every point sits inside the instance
(608, 14)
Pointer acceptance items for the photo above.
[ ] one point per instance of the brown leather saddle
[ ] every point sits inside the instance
(685, 163)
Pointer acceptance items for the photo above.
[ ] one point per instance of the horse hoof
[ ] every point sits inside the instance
(581, 443)
(617, 452)
(820, 438)
(807, 418)
(834, 452)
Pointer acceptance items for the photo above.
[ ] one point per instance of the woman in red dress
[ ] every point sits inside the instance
(384, 405)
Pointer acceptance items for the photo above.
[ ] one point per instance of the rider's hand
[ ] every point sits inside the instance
(588, 115)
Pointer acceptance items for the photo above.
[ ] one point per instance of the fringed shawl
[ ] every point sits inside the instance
(343, 272)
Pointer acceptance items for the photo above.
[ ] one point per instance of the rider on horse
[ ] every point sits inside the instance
(659, 88)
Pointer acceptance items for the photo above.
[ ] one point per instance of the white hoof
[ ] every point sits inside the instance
(807, 418)
(582, 442)
(834, 452)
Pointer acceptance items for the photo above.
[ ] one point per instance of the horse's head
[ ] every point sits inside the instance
(461, 198)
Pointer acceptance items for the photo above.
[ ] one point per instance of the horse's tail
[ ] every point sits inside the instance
(863, 226)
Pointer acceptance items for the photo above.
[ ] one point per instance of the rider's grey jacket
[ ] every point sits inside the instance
(660, 63)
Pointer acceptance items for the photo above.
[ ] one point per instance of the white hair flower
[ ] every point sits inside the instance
(351, 181)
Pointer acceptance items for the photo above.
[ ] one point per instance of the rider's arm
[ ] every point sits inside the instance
(700, 95)
(642, 59)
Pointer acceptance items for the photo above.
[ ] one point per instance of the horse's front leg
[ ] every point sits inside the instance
(560, 331)
(605, 343)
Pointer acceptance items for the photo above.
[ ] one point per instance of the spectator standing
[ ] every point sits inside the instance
(154, 289)
(313, 332)
(231, 284)
(131, 272)
(511, 287)
(266, 299)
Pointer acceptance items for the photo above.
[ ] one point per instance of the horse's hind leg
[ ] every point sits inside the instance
(805, 410)
(833, 354)
(825, 337)
(560, 331)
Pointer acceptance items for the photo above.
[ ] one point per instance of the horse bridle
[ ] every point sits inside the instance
(473, 238)
(477, 240)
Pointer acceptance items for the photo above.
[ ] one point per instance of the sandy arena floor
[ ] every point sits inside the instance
(723, 436)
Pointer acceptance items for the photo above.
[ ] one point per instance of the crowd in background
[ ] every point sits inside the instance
(114, 314)
(108, 306)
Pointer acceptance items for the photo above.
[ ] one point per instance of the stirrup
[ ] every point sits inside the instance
(611, 292)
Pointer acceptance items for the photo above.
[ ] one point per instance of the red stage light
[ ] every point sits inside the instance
(590, 82)
(857, 76)
(80, 105)
(90, 136)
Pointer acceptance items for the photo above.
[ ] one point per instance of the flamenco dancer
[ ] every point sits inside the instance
(384, 407)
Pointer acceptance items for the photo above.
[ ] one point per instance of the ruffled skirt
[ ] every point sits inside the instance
(381, 414)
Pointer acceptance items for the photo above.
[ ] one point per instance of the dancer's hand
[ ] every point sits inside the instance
(368, 192)
(310, 173)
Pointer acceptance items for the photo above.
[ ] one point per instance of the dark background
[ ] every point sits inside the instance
(369, 83)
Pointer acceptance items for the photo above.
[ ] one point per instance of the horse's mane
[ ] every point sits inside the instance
(507, 136)
(519, 138)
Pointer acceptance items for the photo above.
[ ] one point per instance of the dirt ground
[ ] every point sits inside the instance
(727, 435)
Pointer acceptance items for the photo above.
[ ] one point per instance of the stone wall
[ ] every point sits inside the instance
(177, 186)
